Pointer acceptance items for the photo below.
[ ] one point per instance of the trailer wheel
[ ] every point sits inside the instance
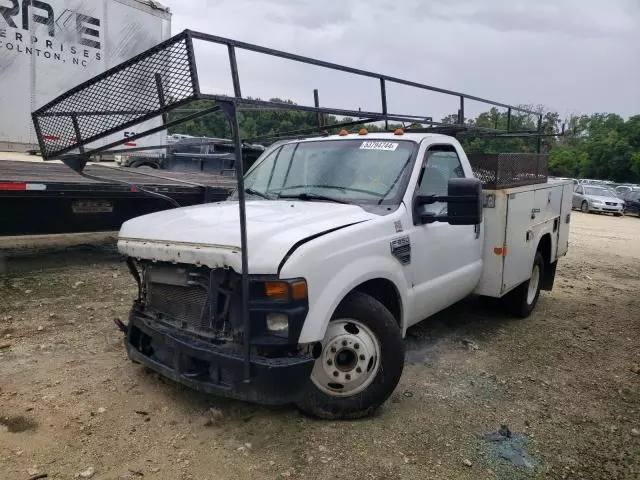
(584, 208)
(522, 300)
(138, 164)
(361, 362)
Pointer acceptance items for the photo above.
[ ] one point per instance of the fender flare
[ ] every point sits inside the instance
(344, 282)
(538, 239)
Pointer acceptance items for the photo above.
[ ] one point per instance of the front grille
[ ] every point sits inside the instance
(184, 304)
(611, 203)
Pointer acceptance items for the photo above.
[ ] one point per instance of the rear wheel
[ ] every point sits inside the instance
(522, 300)
(584, 207)
(361, 362)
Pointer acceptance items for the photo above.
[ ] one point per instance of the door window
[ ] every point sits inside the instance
(260, 178)
(441, 164)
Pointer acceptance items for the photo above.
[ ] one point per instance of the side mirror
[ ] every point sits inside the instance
(464, 203)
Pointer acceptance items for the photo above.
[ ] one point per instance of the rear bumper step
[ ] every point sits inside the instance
(213, 369)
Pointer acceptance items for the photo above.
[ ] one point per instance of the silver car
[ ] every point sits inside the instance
(591, 198)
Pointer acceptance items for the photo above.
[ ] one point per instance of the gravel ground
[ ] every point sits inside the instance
(566, 382)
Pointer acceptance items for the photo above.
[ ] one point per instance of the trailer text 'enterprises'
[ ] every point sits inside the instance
(48, 49)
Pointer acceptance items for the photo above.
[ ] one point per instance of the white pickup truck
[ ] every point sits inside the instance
(352, 238)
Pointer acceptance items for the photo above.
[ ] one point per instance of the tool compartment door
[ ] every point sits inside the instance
(517, 260)
(545, 217)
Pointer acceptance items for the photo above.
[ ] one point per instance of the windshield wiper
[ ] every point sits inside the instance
(251, 191)
(311, 197)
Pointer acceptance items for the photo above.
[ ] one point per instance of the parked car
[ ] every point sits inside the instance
(632, 202)
(624, 189)
(185, 153)
(589, 198)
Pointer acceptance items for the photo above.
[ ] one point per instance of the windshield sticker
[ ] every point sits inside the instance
(389, 146)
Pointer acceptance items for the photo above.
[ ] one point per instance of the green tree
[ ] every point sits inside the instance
(602, 145)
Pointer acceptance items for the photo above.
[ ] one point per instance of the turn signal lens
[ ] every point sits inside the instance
(500, 251)
(276, 290)
(299, 290)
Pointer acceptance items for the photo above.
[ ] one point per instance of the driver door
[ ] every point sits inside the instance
(447, 264)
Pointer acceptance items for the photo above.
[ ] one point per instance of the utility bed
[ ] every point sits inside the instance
(514, 219)
(44, 198)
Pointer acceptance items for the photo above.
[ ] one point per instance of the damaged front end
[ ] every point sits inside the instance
(186, 324)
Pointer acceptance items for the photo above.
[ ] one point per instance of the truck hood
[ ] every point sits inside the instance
(210, 234)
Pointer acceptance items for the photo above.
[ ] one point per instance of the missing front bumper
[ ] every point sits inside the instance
(215, 369)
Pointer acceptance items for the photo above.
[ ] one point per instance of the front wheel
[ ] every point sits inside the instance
(617, 214)
(361, 362)
(584, 207)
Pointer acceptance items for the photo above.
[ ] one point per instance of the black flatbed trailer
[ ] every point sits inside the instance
(45, 198)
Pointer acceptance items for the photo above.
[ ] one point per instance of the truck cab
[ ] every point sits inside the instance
(351, 239)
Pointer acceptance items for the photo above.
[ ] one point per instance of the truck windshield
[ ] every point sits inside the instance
(351, 171)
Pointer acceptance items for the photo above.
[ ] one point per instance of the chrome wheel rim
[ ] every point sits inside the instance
(533, 284)
(350, 358)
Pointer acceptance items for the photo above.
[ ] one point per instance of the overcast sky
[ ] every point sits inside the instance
(572, 56)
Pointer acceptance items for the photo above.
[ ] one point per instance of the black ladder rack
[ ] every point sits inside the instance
(164, 78)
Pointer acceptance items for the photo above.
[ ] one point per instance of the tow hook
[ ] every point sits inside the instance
(121, 326)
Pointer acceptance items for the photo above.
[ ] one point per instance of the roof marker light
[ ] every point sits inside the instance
(363, 131)
(343, 133)
(398, 131)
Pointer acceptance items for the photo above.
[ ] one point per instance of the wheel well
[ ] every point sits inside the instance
(544, 247)
(138, 164)
(386, 293)
(549, 272)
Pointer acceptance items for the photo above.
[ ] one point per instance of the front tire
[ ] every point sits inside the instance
(522, 300)
(361, 362)
(584, 208)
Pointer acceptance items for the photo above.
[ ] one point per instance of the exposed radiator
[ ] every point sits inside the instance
(182, 304)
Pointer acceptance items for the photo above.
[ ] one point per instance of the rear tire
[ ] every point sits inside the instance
(584, 208)
(361, 361)
(522, 300)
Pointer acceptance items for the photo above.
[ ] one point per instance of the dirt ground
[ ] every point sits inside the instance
(566, 382)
